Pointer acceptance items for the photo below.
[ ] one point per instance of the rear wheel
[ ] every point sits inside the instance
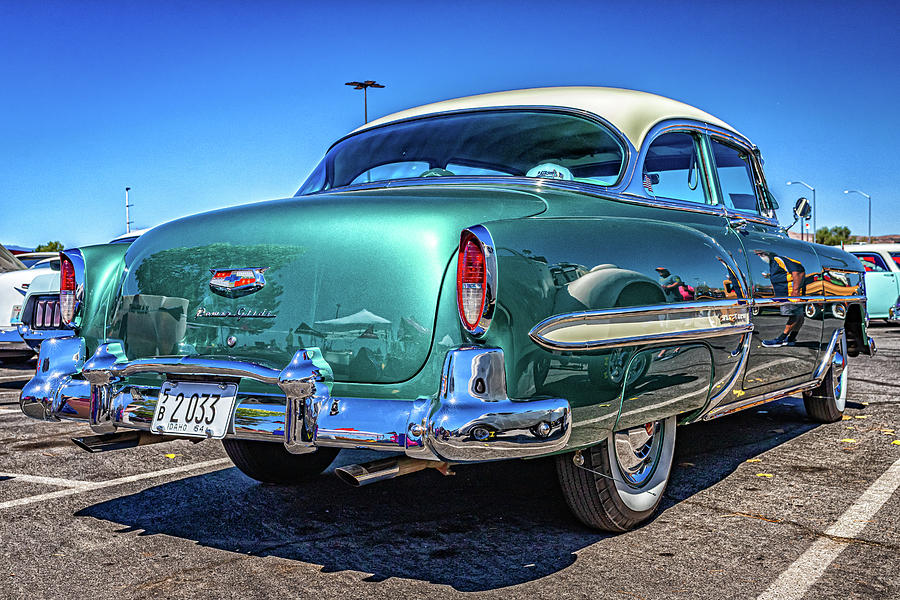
(826, 402)
(619, 483)
(270, 463)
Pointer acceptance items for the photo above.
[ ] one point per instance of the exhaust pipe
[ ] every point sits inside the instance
(386, 468)
(119, 441)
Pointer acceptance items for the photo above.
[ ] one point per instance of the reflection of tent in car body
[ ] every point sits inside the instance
(357, 322)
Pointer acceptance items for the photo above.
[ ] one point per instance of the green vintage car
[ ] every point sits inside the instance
(559, 271)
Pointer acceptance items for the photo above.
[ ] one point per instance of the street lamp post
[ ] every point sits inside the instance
(869, 198)
(364, 86)
(127, 206)
(814, 211)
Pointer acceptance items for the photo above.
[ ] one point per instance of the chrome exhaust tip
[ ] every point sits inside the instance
(386, 468)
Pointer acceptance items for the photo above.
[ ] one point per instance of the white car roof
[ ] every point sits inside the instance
(872, 248)
(632, 112)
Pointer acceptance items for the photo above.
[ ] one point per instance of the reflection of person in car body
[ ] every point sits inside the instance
(788, 278)
(675, 289)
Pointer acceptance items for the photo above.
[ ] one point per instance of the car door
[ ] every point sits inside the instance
(781, 271)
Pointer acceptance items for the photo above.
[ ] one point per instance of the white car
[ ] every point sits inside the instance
(15, 279)
(29, 259)
(39, 316)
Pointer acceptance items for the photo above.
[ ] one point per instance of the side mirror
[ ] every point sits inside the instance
(802, 209)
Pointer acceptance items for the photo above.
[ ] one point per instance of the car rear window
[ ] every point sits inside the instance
(489, 143)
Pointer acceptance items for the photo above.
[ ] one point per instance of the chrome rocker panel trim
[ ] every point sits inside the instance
(835, 355)
(617, 327)
(471, 419)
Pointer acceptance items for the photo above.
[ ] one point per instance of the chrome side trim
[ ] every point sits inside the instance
(484, 239)
(616, 327)
(737, 375)
(805, 299)
(835, 355)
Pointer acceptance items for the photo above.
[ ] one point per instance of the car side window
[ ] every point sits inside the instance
(872, 262)
(735, 175)
(672, 168)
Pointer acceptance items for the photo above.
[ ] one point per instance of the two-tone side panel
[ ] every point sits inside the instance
(586, 312)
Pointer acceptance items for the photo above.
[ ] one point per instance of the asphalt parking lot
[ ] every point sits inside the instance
(762, 504)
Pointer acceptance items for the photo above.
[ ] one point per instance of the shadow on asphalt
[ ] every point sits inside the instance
(488, 527)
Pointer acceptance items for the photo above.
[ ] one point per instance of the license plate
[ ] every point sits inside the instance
(193, 409)
(16, 314)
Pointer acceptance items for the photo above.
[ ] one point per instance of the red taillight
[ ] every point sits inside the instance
(67, 286)
(471, 281)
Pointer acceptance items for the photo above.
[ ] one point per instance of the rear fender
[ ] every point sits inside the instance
(549, 267)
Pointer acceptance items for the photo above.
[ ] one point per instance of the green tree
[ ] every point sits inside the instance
(833, 237)
(54, 246)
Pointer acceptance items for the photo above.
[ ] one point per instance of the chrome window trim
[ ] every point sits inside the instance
(665, 128)
(484, 239)
(758, 184)
(634, 187)
(628, 149)
(620, 192)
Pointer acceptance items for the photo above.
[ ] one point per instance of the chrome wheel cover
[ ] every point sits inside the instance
(839, 375)
(637, 452)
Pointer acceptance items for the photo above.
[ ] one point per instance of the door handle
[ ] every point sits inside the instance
(737, 223)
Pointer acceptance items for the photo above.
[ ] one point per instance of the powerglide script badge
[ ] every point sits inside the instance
(234, 283)
(241, 313)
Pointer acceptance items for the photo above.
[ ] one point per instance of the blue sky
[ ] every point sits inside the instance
(201, 105)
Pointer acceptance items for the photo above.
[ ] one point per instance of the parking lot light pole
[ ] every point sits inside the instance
(364, 86)
(815, 212)
(869, 198)
(127, 217)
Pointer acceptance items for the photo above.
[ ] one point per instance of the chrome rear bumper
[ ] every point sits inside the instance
(894, 312)
(12, 344)
(470, 419)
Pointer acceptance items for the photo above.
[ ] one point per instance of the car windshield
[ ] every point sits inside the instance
(493, 143)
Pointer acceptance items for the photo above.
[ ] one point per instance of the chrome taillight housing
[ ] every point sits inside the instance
(71, 285)
(476, 279)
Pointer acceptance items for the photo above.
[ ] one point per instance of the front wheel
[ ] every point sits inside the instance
(270, 462)
(826, 402)
(618, 484)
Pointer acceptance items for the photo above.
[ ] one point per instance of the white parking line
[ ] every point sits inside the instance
(86, 486)
(806, 570)
(9, 411)
(69, 483)
(22, 377)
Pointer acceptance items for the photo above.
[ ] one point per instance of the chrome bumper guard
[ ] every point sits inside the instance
(471, 419)
(894, 312)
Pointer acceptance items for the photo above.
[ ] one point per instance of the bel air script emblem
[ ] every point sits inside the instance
(234, 283)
